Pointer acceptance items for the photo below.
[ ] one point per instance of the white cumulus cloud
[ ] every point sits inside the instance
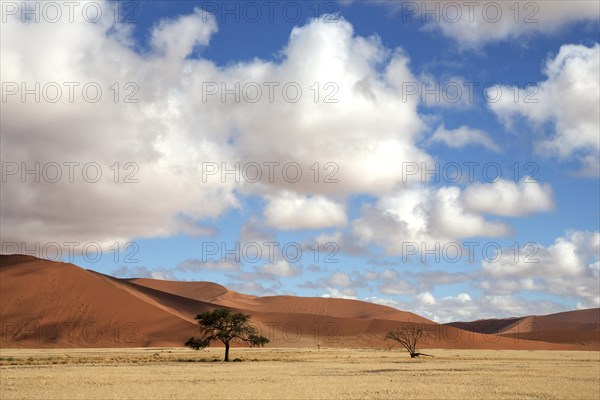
(290, 211)
(568, 268)
(280, 268)
(568, 99)
(474, 24)
(176, 126)
(421, 215)
(464, 136)
(508, 198)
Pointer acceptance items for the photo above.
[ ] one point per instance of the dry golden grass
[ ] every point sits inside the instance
(159, 373)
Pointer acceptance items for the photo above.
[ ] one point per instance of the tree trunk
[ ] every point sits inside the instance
(226, 352)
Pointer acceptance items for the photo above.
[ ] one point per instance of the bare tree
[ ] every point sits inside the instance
(408, 337)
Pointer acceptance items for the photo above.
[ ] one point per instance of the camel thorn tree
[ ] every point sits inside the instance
(223, 325)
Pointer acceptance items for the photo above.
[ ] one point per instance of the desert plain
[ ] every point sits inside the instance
(271, 373)
(70, 333)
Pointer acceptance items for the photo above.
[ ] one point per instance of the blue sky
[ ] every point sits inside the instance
(387, 231)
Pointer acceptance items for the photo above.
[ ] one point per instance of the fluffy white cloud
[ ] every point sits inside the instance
(370, 129)
(386, 274)
(178, 124)
(569, 267)
(397, 287)
(421, 215)
(442, 91)
(464, 136)
(156, 191)
(178, 38)
(337, 284)
(569, 99)
(340, 279)
(508, 198)
(426, 298)
(450, 219)
(390, 282)
(340, 294)
(279, 268)
(290, 211)
(473, 24)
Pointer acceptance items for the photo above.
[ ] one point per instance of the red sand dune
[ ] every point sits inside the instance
(52, 304)
(577, 327)
(487, 326)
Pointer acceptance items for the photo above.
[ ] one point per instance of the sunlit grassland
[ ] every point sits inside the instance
(153, 373)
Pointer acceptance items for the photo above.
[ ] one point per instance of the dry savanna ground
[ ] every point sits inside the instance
(162, 373)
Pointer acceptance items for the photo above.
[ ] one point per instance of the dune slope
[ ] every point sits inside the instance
(575, 327)
(53, 304)
(48, 303)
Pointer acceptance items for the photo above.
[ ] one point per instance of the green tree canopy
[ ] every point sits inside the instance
(223, 325)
